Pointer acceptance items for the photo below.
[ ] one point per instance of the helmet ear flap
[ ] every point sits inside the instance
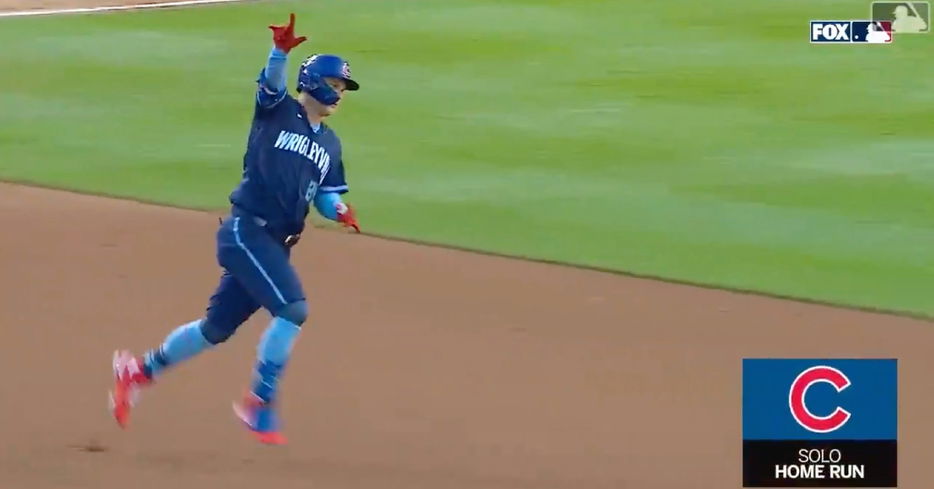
(313, 84)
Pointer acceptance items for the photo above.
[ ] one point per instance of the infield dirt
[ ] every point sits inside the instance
(420, 368)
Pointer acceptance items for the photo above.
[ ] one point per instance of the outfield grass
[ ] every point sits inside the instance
(702, 141)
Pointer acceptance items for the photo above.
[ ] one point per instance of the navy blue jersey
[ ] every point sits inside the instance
(286, 163)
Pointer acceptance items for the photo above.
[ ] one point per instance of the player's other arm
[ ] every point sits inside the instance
(326, 203)
(330, 206)
(272, 80)
(328, 200)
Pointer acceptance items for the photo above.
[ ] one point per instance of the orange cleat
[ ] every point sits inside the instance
(129, 379)
(260, 418)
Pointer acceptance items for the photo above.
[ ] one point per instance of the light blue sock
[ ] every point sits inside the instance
(273, 353)
(183, 343)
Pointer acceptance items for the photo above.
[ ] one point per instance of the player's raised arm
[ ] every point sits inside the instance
(272, 80)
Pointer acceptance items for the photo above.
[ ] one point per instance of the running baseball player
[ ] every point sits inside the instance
(292, 161)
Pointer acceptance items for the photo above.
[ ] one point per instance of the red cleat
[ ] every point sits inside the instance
(260, 418)
(129, 379)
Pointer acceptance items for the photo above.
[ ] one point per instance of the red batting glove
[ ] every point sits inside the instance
(346, 216)
(283, 36)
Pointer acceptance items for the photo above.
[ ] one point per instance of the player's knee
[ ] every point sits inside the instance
(294, 312)
(215, 333)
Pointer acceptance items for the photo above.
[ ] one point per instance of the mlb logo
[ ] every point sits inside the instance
(851, 32)
(872, 32)
(906, 17)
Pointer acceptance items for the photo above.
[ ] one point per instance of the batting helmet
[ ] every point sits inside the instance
(324, 65)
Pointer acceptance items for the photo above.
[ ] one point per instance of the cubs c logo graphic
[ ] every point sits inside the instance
(800, 411)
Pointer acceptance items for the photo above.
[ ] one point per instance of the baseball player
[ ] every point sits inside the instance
(292, 161)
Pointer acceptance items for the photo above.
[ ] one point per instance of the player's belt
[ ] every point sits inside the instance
(241, 212)
(289, 240)
(259, 221)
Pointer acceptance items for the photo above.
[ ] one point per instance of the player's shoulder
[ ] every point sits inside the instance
(284, 108)
(330, 130)
(291, 104)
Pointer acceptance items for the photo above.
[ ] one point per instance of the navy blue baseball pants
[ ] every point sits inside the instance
(257, 273)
